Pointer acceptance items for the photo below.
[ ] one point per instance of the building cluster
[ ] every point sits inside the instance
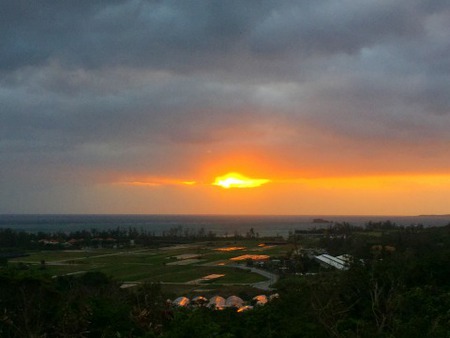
(341, 262)
(220, 303)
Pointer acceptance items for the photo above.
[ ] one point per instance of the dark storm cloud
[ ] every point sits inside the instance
(92, 85)
(186, 35)
(160, 34)
(84, 113)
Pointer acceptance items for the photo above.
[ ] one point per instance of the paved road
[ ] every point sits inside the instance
(265, 285)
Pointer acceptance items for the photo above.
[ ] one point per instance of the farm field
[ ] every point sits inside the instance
(183, 264)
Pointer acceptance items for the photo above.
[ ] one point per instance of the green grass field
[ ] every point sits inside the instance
(154, 265)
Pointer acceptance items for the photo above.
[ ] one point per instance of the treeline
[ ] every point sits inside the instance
(399, 289)
(10, 238)
(120, 237)
(91, 305)
(383, 238)
(342, 228)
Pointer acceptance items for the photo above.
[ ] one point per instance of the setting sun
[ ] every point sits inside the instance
(236, 180)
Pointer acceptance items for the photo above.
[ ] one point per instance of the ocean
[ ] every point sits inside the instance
(221, 225)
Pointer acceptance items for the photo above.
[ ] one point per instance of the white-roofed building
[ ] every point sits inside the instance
(217, 302)
(181, 301)
(234, 301)
(199, 300)
(329, 261)
(260, 300)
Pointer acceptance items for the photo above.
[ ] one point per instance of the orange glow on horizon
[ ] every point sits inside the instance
(157, 182)
(236, 180)
(391, 194)
(380, 182)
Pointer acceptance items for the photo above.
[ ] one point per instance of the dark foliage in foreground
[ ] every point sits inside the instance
(400, 293)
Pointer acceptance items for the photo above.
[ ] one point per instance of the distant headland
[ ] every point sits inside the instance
(443, 215)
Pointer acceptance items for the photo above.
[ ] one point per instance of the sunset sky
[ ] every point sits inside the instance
(335, 107)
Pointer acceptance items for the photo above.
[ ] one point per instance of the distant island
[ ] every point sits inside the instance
(320, 220)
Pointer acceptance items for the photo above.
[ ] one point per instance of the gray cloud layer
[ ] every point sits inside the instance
(92, 86)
